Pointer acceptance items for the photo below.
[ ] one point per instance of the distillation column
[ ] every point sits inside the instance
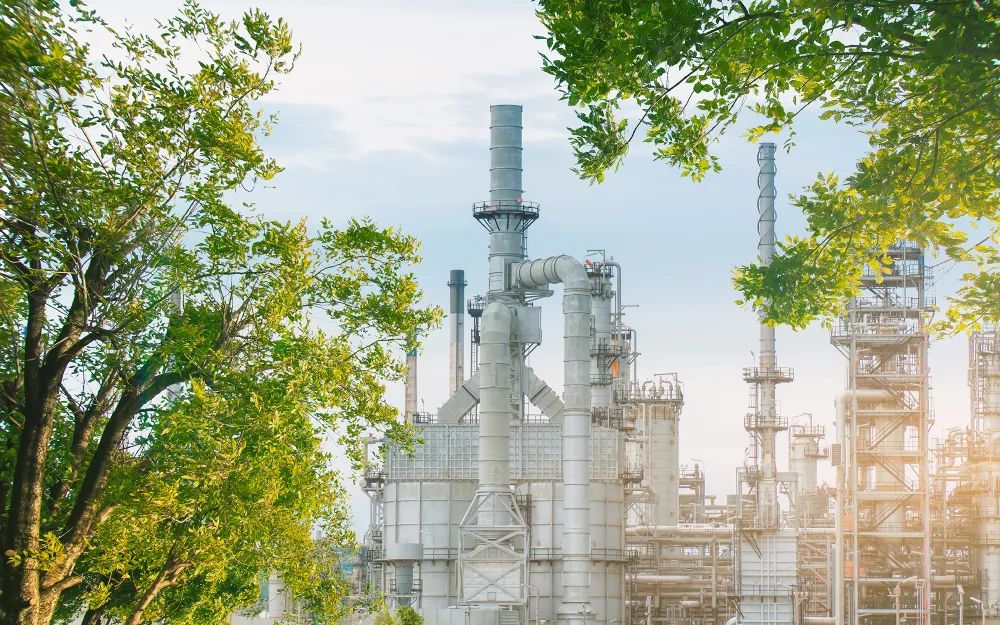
(767, 554)
(764, 422)
(804, 452)
(767, 493)
(607, 498)
(985, 382)
(664, 453)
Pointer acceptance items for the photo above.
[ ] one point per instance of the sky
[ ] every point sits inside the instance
(386, 115)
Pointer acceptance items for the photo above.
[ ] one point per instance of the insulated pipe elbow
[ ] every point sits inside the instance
(576, 422)
(541, 272)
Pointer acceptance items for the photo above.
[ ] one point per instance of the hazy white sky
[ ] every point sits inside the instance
(387, 115)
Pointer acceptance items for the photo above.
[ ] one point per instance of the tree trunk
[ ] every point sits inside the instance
(19, 593)
(92, 617)
(164, 579)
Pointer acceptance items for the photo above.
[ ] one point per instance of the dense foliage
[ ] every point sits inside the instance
(170, 364)
(921, 79)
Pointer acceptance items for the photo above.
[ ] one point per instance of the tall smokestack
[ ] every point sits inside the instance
(505, 153)
(410, 406)
(506, 215)
(456, 315)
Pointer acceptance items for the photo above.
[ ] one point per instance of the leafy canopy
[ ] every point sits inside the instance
(921, 79)
(171, 362)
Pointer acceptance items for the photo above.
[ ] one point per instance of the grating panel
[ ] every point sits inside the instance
(450, 452)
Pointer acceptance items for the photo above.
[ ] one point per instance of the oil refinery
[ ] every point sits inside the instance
(527, 504)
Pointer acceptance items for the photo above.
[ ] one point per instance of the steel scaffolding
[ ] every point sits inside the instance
(886, 531)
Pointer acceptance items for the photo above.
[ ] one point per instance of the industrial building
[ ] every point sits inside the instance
(528, 504)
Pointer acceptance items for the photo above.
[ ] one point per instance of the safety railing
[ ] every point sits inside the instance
(769, 374)
(761, 422)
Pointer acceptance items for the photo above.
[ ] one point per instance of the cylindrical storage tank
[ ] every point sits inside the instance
(428, 513)
(546, 545)
(607, 511)
(607, 536)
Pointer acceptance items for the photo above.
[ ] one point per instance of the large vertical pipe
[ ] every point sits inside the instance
(494, 412)
(575, 609)
(840, 410)
(507, 240)
(768, 489)
(456, 322)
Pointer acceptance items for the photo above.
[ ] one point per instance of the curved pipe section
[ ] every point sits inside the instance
(576, 423)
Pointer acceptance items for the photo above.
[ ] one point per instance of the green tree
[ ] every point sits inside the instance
(920, 79)
(157, 455)
(406, 615)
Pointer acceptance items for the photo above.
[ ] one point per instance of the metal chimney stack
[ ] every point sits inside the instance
(506, 215)
(456, 319)
(505, 153)
(410, 403)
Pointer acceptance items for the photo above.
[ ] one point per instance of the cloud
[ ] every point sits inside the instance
(387, 115)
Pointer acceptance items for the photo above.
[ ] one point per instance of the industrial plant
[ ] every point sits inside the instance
(528, 504)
